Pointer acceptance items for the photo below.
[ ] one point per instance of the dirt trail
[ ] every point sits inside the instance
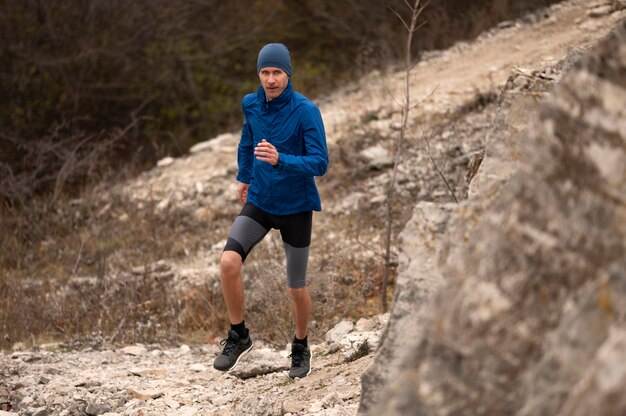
(456, 74)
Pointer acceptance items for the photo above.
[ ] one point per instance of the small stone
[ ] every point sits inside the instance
(136, 350)
(364, 325)
(184, 349)
(172, 404)
(20, 355)
(163, 204)
(333, 348)
(316, 407)
(40, 411)
(330, 400)
(52, 346)
(18, 346)
(340, 330)
(95, 409)
(142, 372)
(197, 368)
(600, 11)
(145, 394)
(199, 147)
(52, 371)
(292, 406)
(222, 400)
(187, 411)
(27, 401)
(377, 157)
(165, 161)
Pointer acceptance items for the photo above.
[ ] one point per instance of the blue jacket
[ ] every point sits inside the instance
(293, 124)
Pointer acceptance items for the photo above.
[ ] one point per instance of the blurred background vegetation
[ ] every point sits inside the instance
(95, 91)
(90, 85)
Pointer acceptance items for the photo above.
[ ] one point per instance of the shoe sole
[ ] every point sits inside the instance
(239, 358)
(310, 368)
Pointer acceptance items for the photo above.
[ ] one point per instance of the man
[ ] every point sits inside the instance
(282, 149)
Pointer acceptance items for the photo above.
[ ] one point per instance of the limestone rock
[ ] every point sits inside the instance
(136, 350)
(532, 317)
(198, 367)
(165, 161)
(364, 324)
(419, 278)
(376, 157)
(340, 330)
(145, 394)
(95, 409)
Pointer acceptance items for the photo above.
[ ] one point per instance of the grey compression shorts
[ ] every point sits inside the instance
(252, 225)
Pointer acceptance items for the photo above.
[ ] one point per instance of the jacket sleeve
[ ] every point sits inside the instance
(245, 153)
(315, 160)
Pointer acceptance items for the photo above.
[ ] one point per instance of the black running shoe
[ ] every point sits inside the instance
(234, 349)
(300, 361)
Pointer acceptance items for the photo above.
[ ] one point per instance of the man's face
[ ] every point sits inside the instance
(274, 81)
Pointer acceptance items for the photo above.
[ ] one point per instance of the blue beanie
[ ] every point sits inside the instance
(276, 55)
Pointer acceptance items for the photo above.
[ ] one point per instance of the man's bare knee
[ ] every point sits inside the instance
(298, 293)
(230, 264)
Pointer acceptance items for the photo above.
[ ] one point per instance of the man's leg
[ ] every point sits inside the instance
(248, 229)
(301, 308)
(296, 233)
(232, 285)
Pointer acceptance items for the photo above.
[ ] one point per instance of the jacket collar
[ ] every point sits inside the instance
(278, 102)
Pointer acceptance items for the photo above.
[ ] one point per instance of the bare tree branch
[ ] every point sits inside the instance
(415, 11)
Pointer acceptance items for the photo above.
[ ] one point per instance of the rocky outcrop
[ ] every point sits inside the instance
(532, 316)
(419, 278)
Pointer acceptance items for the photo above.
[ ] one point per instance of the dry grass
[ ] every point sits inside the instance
(67, 276)
(66, 270)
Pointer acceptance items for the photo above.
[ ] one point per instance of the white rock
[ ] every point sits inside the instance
(163, 204)
(165, 161)
(364, 324)
(293, 406)
(146, 372)
(197, 368)
(330, 400)
(316, 406)
(136, 350)
(52, 346)
(40, 411)
(600, 11)
(383, 319)
(27, 401)
(340, 330)
(20, 354)
(187, 411)
(184, 349)
(145, 394)
(222, 400)
(199, 147)
(377, 157)
(172, 404)
(18, 346)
